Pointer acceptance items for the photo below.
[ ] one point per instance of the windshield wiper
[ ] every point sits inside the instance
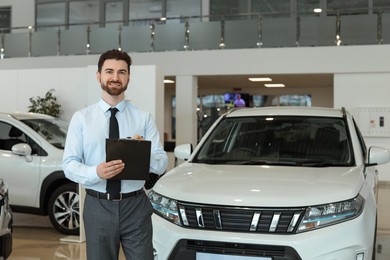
(210, 161)
(315, 163)
(265, 162)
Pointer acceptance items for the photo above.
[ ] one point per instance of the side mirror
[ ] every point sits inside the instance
(22, 149)
(183, 151)
(378, 155)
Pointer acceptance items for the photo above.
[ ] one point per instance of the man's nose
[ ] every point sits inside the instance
(115, 76)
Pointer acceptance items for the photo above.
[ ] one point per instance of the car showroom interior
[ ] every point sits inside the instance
(266, 128)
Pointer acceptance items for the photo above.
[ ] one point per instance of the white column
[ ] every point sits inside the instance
(146, 91)
(186, 103)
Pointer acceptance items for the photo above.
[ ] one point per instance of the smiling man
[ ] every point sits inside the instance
(115, 212)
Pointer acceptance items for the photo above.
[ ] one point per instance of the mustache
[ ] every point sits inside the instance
(115, 81)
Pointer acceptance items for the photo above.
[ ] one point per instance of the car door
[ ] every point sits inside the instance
(20, 173)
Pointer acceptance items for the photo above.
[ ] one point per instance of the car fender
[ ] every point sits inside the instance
(49, 184)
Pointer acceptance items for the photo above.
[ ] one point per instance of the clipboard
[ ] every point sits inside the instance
(134, 153)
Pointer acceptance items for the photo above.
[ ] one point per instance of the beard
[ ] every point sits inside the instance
(116, 91)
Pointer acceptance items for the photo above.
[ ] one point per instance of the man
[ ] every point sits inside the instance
(239, 102)
(117, 217)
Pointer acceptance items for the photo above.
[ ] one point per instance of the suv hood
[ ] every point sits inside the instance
(265, 186)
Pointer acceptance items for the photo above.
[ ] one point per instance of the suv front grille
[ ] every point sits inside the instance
(239, 219)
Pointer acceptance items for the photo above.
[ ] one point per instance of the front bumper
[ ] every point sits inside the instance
(346, 240)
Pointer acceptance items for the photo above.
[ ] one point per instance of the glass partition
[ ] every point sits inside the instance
(84, 33)
(69, 44)
(104, 38)
(44, 44)
(16, 45)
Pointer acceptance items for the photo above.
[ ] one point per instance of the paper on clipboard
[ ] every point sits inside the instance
(134, 153)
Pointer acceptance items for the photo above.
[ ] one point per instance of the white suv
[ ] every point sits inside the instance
(31, 148)
(271, 183)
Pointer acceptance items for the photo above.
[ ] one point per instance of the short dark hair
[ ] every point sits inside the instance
(114, 55)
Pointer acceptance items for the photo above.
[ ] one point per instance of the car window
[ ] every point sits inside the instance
(283, 140)
(53, 130)
(11, 135)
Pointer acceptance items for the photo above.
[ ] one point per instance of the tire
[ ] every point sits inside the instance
(64, 210)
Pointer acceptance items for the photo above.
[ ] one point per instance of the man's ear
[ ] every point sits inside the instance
(98, 76)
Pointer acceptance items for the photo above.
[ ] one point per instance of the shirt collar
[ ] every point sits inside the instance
(104, 106)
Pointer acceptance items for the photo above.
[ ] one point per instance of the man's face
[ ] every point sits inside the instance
(114, 77)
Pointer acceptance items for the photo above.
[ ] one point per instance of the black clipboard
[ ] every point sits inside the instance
(134, 153)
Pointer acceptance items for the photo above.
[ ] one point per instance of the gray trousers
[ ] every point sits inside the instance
(109, 224)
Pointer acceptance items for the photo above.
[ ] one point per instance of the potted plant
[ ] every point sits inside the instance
(45, 105)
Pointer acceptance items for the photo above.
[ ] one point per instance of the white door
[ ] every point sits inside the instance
(20, 174)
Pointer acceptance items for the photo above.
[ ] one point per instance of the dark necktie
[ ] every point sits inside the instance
(113, 186)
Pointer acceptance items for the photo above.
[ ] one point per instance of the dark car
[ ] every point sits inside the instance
(5, 222)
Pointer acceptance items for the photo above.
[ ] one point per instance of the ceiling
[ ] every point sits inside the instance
(241, 81)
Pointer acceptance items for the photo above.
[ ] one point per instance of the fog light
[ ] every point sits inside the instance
(360, 256)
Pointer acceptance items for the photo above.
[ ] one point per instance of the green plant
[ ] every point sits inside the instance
(47, 105)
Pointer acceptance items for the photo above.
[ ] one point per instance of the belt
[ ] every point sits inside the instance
(117, 197)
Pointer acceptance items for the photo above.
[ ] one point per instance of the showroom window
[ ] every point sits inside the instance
(306, 7)
(5, 19)
(50, 14)
(114, 11)
(83, 12)
(229, 10)
(184, 8)
(146, 9)
(274, 8)
(345, 7)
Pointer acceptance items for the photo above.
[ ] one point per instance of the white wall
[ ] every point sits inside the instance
(354, 91)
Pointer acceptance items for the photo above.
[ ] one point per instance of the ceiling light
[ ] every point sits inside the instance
(169, 81)
(274, 85)
(163, 19)
(260, 79)
(317, 10)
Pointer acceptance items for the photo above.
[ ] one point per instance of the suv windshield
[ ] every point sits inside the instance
(278, 140)
(53, 130)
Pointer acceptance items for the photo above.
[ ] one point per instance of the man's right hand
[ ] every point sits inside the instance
(107, 170)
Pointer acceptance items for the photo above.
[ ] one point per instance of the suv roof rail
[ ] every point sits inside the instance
(231, 111)
(344, 112)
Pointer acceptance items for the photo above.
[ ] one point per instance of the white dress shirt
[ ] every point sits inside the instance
(86, 140)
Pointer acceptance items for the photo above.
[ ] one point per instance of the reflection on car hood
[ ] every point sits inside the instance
(265, 186)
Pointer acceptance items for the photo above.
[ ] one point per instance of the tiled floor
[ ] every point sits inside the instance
(35, 239)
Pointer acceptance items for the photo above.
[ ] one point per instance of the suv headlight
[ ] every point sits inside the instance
(164, 207)
(330, 214)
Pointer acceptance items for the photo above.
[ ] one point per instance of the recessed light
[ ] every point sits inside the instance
(317, 10)
(274, 85)
(260, 79)
(168, 81)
